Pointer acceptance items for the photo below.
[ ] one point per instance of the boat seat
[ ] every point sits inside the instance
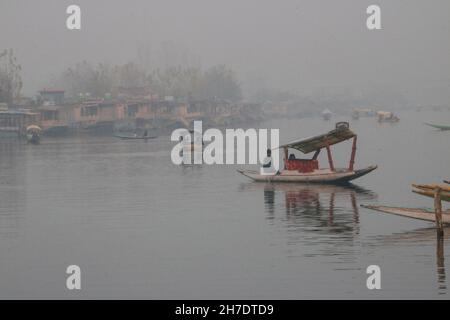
(302, 165)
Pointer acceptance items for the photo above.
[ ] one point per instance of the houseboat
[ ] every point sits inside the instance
(54, 120)
(307, 170)
(387, 116)
(13, 123)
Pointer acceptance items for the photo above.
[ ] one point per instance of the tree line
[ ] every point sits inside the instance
(178, 81)
(10, 78)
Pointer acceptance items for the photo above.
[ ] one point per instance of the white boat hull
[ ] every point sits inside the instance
(318, 176)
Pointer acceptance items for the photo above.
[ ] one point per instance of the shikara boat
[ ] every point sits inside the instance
(34, 134)
(420, 214)
(196, 143)
(438, 126)
(437, 191)
(387, 116)
(307, 170)
(428, 190)
(131, 137)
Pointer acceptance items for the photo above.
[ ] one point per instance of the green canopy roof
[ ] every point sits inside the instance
(307, 145)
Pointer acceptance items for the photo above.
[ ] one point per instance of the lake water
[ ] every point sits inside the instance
(140, 227)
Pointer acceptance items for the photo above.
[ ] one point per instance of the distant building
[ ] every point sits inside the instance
(54, 96)
(132, 92)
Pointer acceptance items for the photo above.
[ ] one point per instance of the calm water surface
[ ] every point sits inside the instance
(141, 227)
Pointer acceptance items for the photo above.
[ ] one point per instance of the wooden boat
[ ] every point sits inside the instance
(126, 137)
(428, 190)
(338, 176)
(358, 113)
(387, 116)
(438, 126)
(307, 170)
(420, 214)
(33, 133)
(196, 143)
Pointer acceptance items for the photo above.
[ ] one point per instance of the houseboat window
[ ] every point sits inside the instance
(132, 110)
(94, 111)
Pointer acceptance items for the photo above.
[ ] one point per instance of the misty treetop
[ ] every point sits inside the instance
(178, 81)
(10, 78)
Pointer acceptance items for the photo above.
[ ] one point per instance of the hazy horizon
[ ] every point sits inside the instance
(299, 46)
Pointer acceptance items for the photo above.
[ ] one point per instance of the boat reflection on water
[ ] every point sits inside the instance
(314, 211)
(423, 237)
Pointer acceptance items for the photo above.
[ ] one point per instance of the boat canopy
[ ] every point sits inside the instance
(34, 128)
(341, 133)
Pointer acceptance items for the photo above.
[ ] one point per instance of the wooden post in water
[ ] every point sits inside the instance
(438, 211)
(352, 158)
(330, 157)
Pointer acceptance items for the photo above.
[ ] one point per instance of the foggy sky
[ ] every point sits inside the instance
(303, 46)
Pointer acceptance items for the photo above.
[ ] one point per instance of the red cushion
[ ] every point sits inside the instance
(302, 165)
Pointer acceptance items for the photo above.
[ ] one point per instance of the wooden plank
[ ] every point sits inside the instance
(431, 186)
(419, 214)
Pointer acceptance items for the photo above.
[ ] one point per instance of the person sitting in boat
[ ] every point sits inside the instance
(267, 166)
(267, 163)
(292, 156)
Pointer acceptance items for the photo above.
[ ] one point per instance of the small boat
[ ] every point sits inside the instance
(326, 114)
(447, 181)
(357, 113)
(387, 116)
(33, 134)
(134, 137)
(196, 143)
(438, 126)
(428, 190)
(307, 170)
(338, 176)
(420, 214)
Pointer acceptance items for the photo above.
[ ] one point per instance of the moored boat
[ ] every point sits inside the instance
(307, 170)
(428, 190)
(134, 137)
(34, 134)
(357, 113)
(438, 126)
(437, 215)
(387, 116)
(420, 214)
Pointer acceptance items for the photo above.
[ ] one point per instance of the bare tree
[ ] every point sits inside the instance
(10, 79)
